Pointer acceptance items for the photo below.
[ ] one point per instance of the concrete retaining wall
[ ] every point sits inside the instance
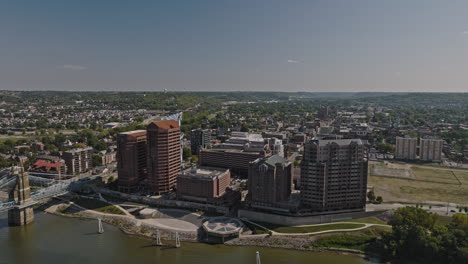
(301, 220)
(164, 203)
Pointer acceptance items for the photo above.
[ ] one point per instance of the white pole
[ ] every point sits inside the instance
(258, 258)
(100, 227)
(158, 238)
(177, 239)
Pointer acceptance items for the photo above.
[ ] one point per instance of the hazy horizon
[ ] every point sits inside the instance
(222, 46)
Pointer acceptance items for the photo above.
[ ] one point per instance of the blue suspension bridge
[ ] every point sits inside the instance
(51, 187)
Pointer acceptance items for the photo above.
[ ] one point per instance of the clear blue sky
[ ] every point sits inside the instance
(234, 45)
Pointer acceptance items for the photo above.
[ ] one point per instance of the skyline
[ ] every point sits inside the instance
(299, 46)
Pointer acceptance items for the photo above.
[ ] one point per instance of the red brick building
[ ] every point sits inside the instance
(164, 155)
(203, 184)
(49, 166)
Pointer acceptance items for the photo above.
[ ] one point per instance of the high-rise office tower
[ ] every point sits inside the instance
(132, 159)
(199, 138)
(270, 181)
(163, 155)
(334, 175)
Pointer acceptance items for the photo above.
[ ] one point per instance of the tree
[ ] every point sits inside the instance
(186, 153)
(379, 199)
(244, 127)
(460, 221)
(412, 216)
(97, 160)
(411, 235)
(195, 158)
(371, 196)
(139, 119)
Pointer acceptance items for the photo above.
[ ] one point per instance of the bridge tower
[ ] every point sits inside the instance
(22, 213)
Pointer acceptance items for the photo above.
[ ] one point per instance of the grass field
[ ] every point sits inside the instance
(434, 175)
(308, 229)
(429, 184)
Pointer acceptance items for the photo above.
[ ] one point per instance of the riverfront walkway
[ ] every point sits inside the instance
(275, 233)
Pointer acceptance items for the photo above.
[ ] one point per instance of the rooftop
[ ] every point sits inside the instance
(47, 164)
(166, 124)
(340, 142)
(78, 150)
(273, 160)
(133, 132)
(204, 172)
(223, 226)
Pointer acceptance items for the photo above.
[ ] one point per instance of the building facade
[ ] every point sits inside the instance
(270, 181)
(78, 160)
(164, 155)
(276, 146)
(202, 184)
(430, 149)
(199, 138)
(406, 148)
(132, 159)
(334, 175)
(236, 160)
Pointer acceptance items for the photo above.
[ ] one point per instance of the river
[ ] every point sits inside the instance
(55, 239)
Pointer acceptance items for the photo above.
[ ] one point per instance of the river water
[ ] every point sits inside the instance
(54, 239)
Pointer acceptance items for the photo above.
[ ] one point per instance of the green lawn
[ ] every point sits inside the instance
(98, 206)
(357, 242)
(308, 229)
(255, 229)
(367, 220)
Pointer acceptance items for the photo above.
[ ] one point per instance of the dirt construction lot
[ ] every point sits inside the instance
(413, 183)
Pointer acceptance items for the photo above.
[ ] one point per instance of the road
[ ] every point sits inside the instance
(439, 208)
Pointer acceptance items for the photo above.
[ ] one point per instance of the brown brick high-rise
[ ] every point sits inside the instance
(334, 175)
(163, 155)
(132, 159)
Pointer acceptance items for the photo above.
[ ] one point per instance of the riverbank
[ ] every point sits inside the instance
(134, 227)
(303, 243)
(43, 242)
(127, 224)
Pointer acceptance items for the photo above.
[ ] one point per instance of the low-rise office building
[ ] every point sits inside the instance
(203, 184)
